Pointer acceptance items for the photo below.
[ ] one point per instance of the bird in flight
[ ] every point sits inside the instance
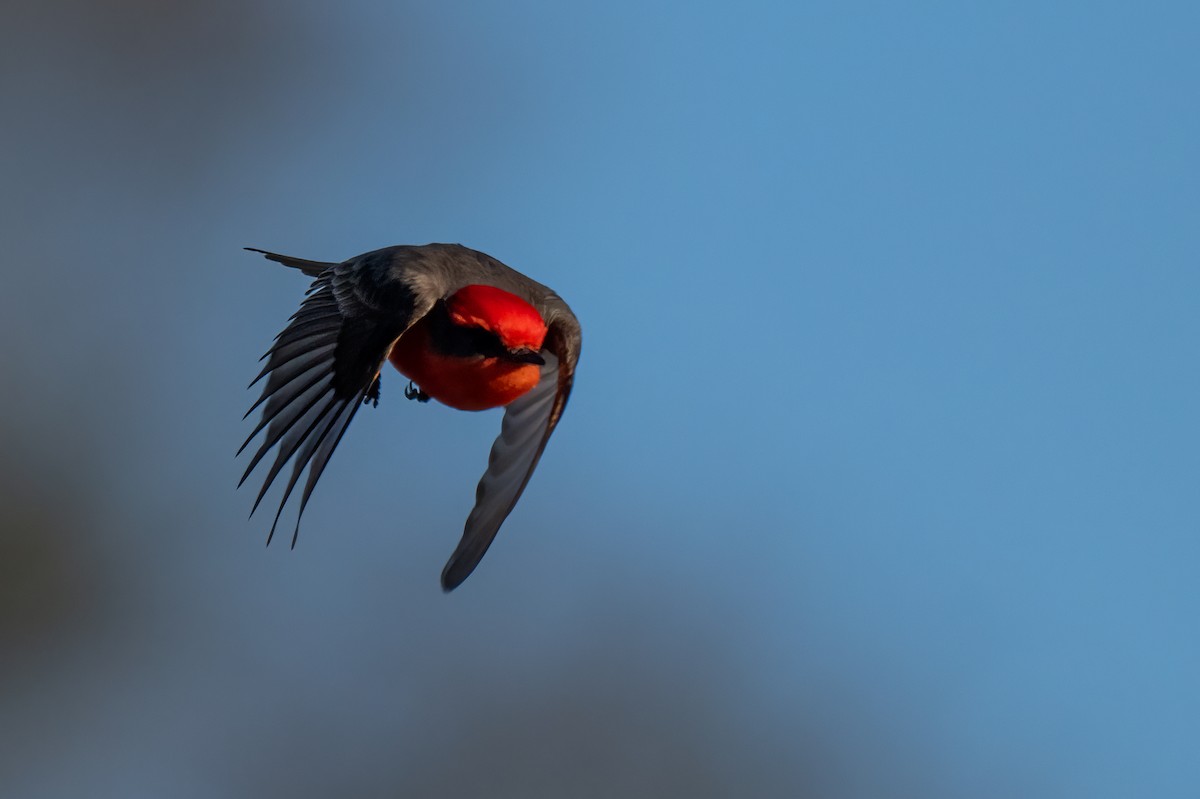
(465, 329)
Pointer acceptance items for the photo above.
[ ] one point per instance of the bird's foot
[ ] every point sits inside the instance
(372, 395)
(412, 392)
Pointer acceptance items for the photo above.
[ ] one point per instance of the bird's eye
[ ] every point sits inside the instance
(485, 341)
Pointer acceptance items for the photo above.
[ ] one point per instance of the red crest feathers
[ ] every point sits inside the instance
(517, 323)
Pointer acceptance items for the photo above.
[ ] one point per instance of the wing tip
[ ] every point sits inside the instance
(456, 572)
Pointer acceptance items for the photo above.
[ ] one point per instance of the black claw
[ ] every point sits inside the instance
(412, 392)
(372, 395)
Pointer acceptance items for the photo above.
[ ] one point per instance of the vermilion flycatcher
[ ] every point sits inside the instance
(465, 329)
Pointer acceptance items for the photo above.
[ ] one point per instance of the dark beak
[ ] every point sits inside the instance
(526, 356)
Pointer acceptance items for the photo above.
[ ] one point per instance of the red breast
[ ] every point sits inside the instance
(473, 382)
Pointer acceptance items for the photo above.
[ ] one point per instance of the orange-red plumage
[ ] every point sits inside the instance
(516, 322)
(468, 385)
(474, 383)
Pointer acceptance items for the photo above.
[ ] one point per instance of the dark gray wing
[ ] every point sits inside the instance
(528, 423)
(323, 365)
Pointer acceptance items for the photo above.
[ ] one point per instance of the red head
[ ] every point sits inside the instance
(515, 322)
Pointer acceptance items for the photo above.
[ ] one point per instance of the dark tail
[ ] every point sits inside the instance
(310, 268)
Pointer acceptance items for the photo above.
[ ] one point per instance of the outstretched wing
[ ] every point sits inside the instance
(322, 367)
(528, 422)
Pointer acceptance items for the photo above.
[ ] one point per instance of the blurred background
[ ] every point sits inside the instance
(880, 474)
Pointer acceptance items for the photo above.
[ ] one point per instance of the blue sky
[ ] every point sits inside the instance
(883, 441)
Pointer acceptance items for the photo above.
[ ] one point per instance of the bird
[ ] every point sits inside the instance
(464, 328)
